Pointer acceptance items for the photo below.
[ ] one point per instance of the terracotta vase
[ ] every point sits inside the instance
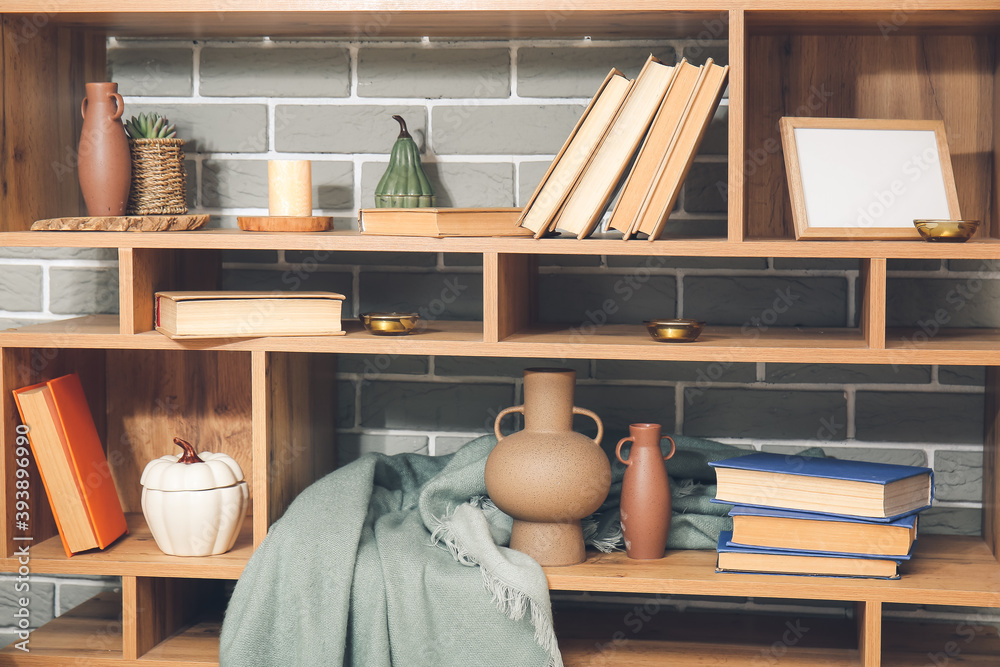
(548, 477)
(645, 501)
(105, 163)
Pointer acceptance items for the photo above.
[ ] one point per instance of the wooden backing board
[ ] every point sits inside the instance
(203, 397)
(294, 429)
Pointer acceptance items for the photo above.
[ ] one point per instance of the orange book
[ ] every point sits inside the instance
(72, 463)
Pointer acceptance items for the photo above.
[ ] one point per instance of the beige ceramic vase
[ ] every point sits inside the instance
(548, 477)
(645, 501)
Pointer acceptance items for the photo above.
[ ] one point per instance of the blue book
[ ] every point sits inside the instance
(787, 530)
(874, 491)
(772, 561)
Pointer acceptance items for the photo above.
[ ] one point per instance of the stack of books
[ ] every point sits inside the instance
(817, 516)
(636, 139)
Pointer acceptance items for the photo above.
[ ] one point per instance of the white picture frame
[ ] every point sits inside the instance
(854, 178)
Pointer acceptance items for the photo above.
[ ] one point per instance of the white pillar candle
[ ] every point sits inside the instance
(289, 187)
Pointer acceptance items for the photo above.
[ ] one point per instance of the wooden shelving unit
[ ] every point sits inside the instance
(262, 400)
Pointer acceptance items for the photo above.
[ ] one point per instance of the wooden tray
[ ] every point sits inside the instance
(266, 223)
(123, 223)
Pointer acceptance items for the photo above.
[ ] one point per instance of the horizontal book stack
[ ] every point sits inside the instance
(818, 516)
(633, 146)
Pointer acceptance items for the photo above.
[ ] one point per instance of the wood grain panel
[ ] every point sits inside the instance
(873, 302)
(510, 294)
(928, 77)
(869, 617)
(738, 68)
(154, 396)
(22, 367)
(294, 419)
(44, 70)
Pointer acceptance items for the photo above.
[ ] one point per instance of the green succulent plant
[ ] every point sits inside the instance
(150, 126)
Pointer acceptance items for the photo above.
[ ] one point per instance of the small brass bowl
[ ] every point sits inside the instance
(389, 324)
(674, 331)
(950, 231)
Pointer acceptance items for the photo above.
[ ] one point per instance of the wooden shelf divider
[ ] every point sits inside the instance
(869, 617)
(873, 301)
(510, 294)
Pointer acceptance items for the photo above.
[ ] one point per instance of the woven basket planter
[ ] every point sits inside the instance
(158, 178)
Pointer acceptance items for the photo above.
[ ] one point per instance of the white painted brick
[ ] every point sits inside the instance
(151, 70)
(433, 73)
(503, 129)
(577, 71)
(330, 128)
(275, 71)
(227, 128)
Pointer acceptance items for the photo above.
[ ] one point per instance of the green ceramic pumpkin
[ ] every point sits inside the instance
(404, 183)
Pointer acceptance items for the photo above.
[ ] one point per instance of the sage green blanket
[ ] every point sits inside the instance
(394, 560)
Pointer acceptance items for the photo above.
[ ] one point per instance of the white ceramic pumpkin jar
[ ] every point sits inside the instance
(194, 503)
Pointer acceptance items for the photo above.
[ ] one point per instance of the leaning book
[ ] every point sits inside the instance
(71, 463)
(248, 314)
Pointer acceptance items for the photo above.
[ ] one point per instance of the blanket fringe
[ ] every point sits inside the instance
(513, 603)
(613, 541)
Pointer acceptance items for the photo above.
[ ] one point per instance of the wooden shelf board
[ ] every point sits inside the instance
(350, 240)
(647, 653)
(197, 644)
(136, 554)
(90, 634)
(613, 341)
(947, 570)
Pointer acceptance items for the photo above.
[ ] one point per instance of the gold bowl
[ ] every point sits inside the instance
(952, 231)
(389, 324)
(674, 331)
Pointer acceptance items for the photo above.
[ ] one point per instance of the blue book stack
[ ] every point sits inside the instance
(820, 517)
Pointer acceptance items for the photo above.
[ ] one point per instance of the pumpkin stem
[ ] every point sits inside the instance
(403, 134)
(189, 456)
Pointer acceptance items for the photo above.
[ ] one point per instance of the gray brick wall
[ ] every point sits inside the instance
(241, 103)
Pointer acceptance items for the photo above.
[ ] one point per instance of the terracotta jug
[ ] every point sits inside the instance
(548, 477)
(645, 501)
(105, 163)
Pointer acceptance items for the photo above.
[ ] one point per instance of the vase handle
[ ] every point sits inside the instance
(504, 413)
(588, 413)
(618, 450)
(120, 103)
(83, 108)
(673, 447)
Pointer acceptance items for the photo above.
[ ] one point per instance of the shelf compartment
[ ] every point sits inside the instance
(716, 343)
(599, 634)
(136, 554)
(919, 77)
(177, 619)
(951, 570)
(89, 634)
(906, 643)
